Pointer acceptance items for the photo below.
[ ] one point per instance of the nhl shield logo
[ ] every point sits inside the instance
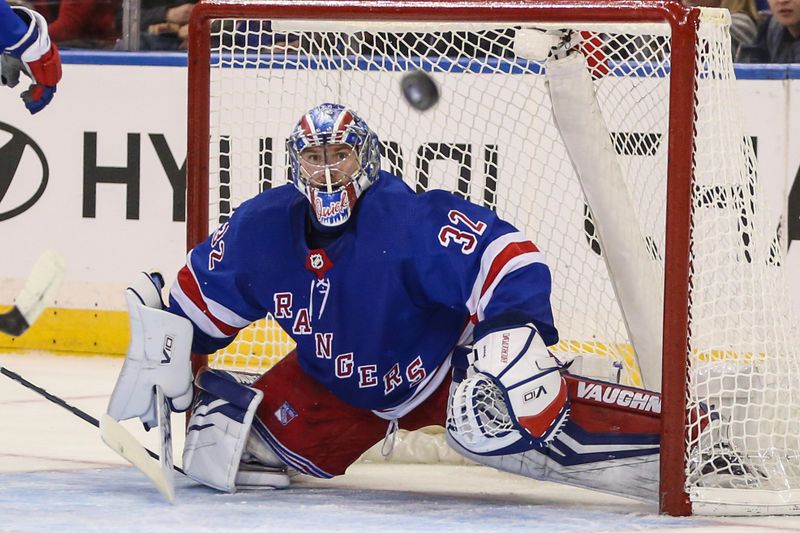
(318, 262)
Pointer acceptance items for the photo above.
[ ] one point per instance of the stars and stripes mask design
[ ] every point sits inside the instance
(334, 158)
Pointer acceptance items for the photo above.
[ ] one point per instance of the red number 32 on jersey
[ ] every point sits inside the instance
(466, 238)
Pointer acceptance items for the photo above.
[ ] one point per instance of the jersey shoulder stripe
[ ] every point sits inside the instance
(502, 256)
(213, 318)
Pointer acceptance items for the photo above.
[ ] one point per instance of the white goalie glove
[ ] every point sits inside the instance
(513, 399)
(158, 355)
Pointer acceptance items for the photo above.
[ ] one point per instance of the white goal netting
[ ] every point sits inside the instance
(492, 138)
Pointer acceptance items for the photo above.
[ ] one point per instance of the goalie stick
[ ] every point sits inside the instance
(165, 440)
(39, 292)
(116, 437)
(121, 441)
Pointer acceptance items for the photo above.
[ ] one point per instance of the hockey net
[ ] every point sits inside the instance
(667, 159)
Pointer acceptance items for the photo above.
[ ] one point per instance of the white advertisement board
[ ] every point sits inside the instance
(107, 146)
(99, 176)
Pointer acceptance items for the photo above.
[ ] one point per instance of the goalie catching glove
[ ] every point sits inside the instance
(513, 398)
(35, 56)
(158, 355)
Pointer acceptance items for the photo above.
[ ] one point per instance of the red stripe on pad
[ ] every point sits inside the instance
(539, 424)
(603, 407)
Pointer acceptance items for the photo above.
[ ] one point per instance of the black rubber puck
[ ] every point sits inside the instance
(419, 90)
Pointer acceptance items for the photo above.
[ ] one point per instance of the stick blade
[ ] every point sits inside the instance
(13, 323)
(42, 285)
(121, 441)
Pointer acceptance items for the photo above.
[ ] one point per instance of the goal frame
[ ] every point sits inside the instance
(683, 21)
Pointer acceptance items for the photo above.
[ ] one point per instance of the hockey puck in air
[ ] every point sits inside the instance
(419, 90)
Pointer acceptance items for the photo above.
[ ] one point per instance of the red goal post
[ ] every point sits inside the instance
(680, 165)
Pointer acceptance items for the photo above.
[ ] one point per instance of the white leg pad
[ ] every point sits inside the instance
(633, 477)
(218, 430)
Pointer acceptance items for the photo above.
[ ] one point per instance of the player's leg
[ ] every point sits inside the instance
(306, 426)
(284, 418)
(312, 431)
(516, 410)
(610, 443)
(246, 430)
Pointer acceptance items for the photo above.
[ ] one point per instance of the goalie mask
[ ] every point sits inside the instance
(334, 158)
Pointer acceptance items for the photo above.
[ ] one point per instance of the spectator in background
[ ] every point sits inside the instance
(164, 24)
(167, 26)
(81, 23)
(744, 21)
(778, 39)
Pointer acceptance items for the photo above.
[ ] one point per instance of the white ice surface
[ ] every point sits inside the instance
(57, 476)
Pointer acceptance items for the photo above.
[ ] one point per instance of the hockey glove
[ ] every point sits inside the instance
(158, 355)
(37, 57)
(513, 399)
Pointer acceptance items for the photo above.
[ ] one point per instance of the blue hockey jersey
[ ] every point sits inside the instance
(377, 313)
(12, 28)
